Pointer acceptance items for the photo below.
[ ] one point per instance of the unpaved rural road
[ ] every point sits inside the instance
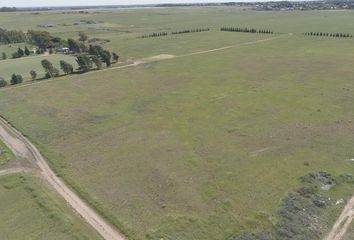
(22, 148)
(138, 62)
(342, 224)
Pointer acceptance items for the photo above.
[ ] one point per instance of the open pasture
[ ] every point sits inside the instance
(30, 211)
(200, 146)
(24, 65)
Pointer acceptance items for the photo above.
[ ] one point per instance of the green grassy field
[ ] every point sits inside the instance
(24, 65)
(30, 211)
(9, 49)
(202, 146)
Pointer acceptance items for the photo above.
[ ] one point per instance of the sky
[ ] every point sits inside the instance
(36, 3)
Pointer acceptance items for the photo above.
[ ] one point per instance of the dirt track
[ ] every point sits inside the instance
(11, 171)
(157, 58)
(343, 222)
(24, 149)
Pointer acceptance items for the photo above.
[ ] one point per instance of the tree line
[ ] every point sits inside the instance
(158, 34)
(161, 34)
(86, 63)
(191, 31)
(87, 57)
(12, 36)
(246, 30)
(325, 34)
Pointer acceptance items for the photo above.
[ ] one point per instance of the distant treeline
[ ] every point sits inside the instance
(8, 9)
(191, 31)
(322, 34)
(160, 34)
(246, 30)
(11, 36)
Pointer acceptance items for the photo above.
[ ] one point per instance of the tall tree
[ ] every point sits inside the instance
(16, 79)
(106, 57)
(95, 50)
(42, 39)
(97, 62)
(20, 52)
(33, 75)
(3, 83)
(83, 37)
(66, 67)
(27, 52)
(49, 69)
(115, 57)
(74, 46)
(84, 62)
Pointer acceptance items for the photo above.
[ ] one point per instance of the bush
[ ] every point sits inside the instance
(33, 74)
(3, 83)
(16, 79)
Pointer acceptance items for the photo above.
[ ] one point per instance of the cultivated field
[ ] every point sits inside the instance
(199, 146)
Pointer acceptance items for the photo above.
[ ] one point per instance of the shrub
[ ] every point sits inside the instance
(33, 74)
(3, 83)
(16, 79)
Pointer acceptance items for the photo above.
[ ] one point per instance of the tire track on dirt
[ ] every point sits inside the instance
(23, 148)
(343, 222)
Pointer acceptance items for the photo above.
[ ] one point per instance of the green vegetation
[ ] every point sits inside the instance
(5, 153)
(180, 144)
(23, 66)
(245, 30)
(30, 211)
(49, 69)
(11, 36)
(16, 79)
(321, 34)
(201, 146)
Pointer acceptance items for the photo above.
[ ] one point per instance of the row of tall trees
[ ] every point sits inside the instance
(246, 30)
(324, 34)
(86, 63)
(20, 53)
(12, 36)
(158, 34)
(191, 31)
(161, 34)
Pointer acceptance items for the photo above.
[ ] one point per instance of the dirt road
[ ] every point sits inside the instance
(22, 148)
(342, 224)
(138, 62)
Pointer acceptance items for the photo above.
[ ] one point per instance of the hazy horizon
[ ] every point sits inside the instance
(42, 3)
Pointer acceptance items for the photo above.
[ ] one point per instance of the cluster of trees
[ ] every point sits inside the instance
(86, 56)
(12, 36)
(159, 34)
(246, 30)
(15, 79)
(85, 61)
(19, 53)
(322, 34)
(191, 31)
(44, 40)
